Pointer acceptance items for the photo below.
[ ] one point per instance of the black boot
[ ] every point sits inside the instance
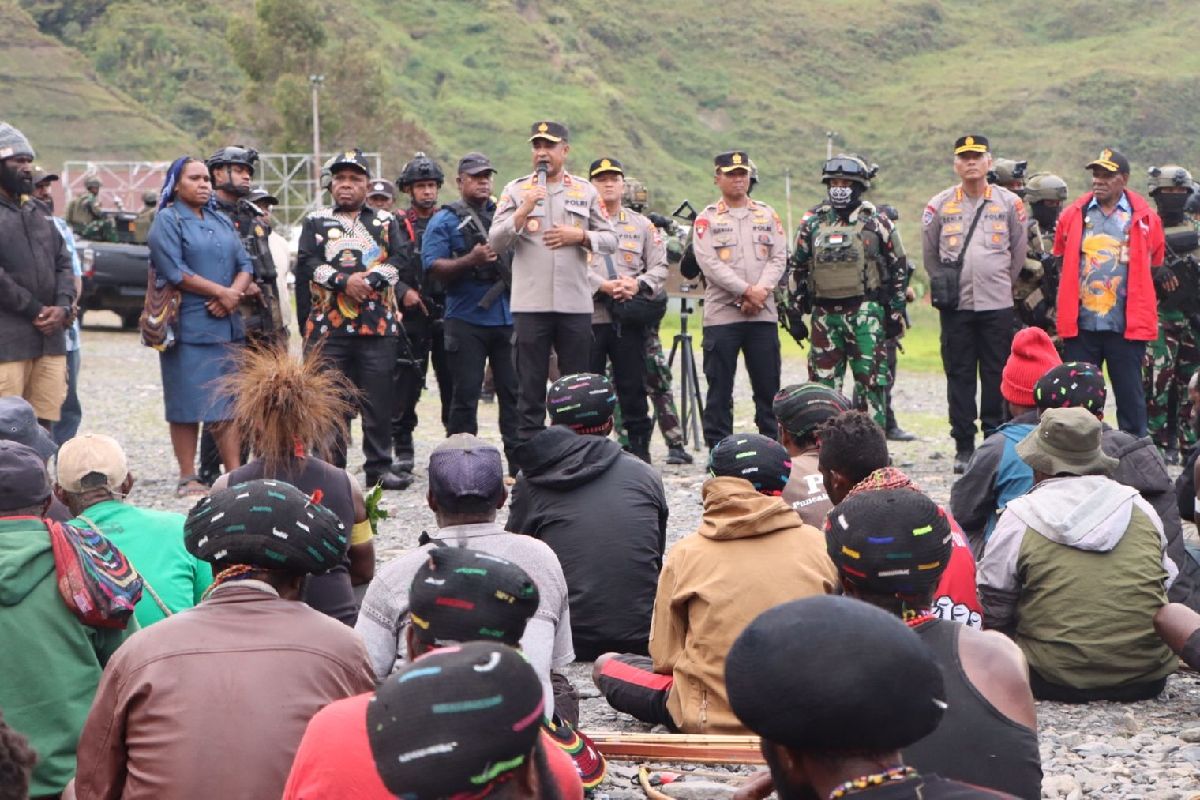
(677, 454)
(639, 445)
(898, 434)
(405, 457)
(962, 457)
(391, 481)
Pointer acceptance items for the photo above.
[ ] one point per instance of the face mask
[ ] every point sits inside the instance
(841, 196)
(1046, 216)
(1170, 205)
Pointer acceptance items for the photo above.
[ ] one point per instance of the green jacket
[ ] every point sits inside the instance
(153, 543)
(50, 662)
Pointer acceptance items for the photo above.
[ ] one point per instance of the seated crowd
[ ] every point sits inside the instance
(824, 603)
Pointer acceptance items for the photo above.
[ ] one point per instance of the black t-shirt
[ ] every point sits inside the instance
(929, 787)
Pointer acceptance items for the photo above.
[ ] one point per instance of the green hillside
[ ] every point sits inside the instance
(664, 86)
(52, 94)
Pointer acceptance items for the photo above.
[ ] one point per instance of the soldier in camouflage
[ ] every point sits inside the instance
(1037, 284)
(86, 216)
(852, 261)
(145, 217)
(1010, 174)
(1173, 357)
(658, 373)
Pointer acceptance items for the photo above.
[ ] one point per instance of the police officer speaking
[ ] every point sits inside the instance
(974, 248)
(739, 246)
(551, 219)
(850, 257)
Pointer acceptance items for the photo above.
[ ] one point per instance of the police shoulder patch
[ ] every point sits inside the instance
(928, 215)
(1020, 206)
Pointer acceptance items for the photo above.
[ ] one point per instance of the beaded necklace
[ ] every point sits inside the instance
(917, 617)
(893, 775)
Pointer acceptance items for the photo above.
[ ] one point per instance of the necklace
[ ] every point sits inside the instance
(893, 775)
(915, 618)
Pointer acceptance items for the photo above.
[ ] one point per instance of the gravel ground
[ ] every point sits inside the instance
(1148, 750)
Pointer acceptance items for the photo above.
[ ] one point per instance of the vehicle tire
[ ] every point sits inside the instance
(129, 319)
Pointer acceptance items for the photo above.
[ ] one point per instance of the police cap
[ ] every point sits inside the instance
(971, 143)
(1110, 160)
(603, 165)
(349, 159)
(732, 160)
(550, 131)
(381, 188)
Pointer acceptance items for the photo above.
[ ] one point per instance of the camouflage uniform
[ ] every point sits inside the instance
(850, 330)
(1031, 290)
(658, 388)
(1173, 357)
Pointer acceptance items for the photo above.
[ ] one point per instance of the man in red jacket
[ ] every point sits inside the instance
(1111, 245)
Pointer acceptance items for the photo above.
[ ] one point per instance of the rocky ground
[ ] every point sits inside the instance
(1147, 750)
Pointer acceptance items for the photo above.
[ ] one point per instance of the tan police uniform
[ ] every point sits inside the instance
(544, 279)
(641, 253)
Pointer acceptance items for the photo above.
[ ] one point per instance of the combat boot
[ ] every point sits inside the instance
(639, 445)
(405, 458)
(391, 481)
(676, 454)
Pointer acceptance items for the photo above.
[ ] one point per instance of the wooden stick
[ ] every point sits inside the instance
(678, 747)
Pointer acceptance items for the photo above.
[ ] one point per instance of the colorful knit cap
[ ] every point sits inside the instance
(1032, 356)
(582, 402)
(884, 478)
(591, 766)
(466, 467)
(1073, 384)
(455, 722)
(266, 524)
(830, 674)
(889, 541)
(463, 595)
(762, 461)
(802, 407)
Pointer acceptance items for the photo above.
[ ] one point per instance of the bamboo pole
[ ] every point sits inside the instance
(679, 748)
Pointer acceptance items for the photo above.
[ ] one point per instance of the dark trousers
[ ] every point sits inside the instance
(427, 343)
(534, 334)
(369, 363)
(975, 344)
(630, 685)
(1122, 693)
(71, 413)
(626, 346)
(1124, 360)
(469, 348)
(758, 342)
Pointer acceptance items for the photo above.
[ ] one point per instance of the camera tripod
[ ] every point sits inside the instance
(691, 406)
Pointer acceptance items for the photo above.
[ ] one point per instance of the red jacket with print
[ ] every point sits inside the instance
(1146, 248)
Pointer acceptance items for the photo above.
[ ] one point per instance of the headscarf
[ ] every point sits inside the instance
(167, 194)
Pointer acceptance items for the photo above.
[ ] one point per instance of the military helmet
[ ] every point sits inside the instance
(91, 182)
(1192, 206)
(233, 154)
(150, 197)
(1006, 170)
(1045, 186)
(850, 167)
(1170, 175)
(421, 168)
(635, 195)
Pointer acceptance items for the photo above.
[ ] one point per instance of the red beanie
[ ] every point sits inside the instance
(1033, 355)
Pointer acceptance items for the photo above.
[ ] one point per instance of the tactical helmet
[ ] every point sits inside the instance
(1192, 206)
(233, 154)
(1005, 171)
(150, 197)
(1045, 186)
(92, 182)
(636, 195)
(1170, 175)
(421, 168)
(850, 167)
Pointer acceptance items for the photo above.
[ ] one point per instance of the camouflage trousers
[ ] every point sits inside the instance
(658, 389)
(853, 338)
(1169, 364)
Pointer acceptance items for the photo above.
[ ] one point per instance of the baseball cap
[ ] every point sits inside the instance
(833, 674)
(40, 175)
(464, 467)
(382, 188)
(18, 423)
(550, 131)
(1111, 160)
(455, 721)
(23, 478)
(91, 461)
(463, 595)
(602, 165)
(732, 160)
(474, 164)
(971, 143)
(259, 193)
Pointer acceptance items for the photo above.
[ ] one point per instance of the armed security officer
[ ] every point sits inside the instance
(639, 267)
(852, 260)
(423, 303)
(552, 222)
(455, 253)
(740, 247)
(1173, 357)
(352, 255)
(1011, 175)
(145, 217)
(85, 215)
(974, 247)
(1044, 196)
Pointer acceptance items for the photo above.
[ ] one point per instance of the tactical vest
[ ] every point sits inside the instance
(1183, 248)
(844, 256)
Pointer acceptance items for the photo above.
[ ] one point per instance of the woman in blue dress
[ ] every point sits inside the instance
(196, 248)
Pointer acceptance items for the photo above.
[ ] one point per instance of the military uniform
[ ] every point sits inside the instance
(142, 224)
(1173, 357)
(640, 255)
(977, 331)
(87, 219)
(855, 269)
(263, 315)
(358, 339)
(551, 288)
(737, 248)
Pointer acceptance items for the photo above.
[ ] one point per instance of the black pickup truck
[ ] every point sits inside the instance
(114, 273)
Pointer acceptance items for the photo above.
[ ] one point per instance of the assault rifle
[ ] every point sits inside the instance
(498, 271)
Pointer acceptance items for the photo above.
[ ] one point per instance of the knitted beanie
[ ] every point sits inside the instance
(1033, 355)
(13, 142)
(1073, 384)
(583, 402)
(757, 458)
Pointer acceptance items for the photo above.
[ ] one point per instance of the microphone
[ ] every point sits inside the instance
(543, 170)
